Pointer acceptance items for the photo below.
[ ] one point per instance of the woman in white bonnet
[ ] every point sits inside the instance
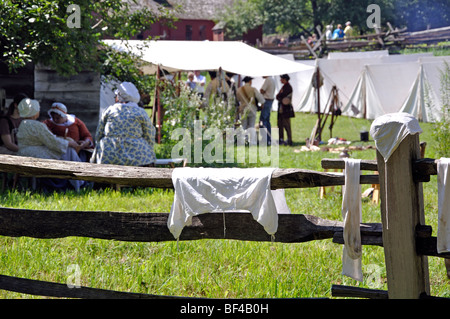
(66, 125)
(125, 134)
(35, 140)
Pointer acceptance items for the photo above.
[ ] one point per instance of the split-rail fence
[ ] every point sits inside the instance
(407, 241)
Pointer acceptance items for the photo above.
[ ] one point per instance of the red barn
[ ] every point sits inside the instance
(197, 21)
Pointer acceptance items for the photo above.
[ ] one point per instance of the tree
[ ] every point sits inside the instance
(302, 16)
(421, 14)
(66, 36)
(291, 16)
(241, 17)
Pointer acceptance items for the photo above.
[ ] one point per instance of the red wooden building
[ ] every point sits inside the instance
(197, 21)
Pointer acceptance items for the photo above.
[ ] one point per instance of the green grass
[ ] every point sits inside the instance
(211, 268)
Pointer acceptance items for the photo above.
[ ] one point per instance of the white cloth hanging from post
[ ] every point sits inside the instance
(203, 190)
(352, 215)
(389, 130)
(443, 179)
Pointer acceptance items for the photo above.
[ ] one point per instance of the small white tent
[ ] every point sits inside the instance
(425, 98)
(370, 87)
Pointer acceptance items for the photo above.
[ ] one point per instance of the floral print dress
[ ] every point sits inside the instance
(125, 136)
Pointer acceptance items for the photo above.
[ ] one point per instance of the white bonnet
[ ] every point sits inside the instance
(28, 107)
(128, 92)
(58, 108)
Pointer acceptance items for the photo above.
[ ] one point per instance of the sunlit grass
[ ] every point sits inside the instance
(210, 268)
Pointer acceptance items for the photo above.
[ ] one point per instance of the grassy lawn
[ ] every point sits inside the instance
(212, 268)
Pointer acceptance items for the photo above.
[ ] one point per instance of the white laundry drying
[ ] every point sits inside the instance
(443, 179)
(352, 215)
(203, 190)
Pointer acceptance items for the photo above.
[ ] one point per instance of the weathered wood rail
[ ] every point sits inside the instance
(154, 177)
(152, 227)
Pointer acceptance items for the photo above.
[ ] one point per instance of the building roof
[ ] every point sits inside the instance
(188, 9)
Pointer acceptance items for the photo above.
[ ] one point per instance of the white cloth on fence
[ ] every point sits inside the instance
(280, 201)
(443, 179)
(203, 190)
(389, 130)
(352, 215)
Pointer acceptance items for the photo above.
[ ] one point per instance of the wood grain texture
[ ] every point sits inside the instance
(152, 227)
(154, 176)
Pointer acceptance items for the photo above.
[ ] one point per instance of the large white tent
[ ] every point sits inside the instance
(369, 84)
(230, 56)
(372, 85)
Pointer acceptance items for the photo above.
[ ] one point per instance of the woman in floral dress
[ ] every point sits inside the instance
(125, 134)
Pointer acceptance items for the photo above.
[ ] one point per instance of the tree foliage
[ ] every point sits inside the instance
(48, 32)
(302, 16)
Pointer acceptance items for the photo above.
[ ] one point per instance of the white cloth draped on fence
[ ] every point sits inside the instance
(352, 215)
(203, 190)
(389, 130)
(443, 179)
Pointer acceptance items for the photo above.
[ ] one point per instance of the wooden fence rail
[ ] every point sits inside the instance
(152, 227)
(154, 177)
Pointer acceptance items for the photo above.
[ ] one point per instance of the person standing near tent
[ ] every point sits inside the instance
(338, 32)
(285, 110)
(190, 82)
(200, 81)
(268, 92)
(217, 88)
(248, 97)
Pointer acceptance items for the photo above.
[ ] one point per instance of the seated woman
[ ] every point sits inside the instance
(125, 134)
(70, 127)
(35, 140)
(8, 127)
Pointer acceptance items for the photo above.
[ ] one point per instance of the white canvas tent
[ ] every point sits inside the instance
(370, 87)
(358, 55)
(300, 81)
(424, 100)
(230, 56)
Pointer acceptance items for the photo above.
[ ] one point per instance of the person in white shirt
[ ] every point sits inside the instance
(200, 81)
(268, 92)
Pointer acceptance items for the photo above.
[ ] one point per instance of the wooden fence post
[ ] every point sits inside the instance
(401, 211)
